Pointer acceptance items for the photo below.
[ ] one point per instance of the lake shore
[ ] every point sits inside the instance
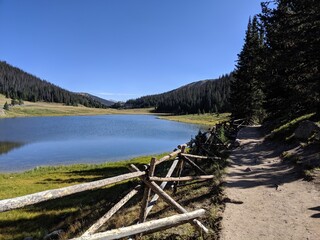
(43, 109)
(207, 119)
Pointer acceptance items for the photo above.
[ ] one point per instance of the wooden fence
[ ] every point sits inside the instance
(178, 158)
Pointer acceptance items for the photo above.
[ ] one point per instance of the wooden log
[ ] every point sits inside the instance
(111, 212)
(168, 157)
(18, 202)
(174, 204)
(237, 120)
(169, 200)
(182, 179)
(146, 227)
(147, 193)
(194, 165)
(180, 166)
(200, 157)
(162, 186)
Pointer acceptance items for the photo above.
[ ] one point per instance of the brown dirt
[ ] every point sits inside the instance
(265, 197)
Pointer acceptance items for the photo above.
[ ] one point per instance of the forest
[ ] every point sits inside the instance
(207, 96)
(17, 84)
(277, 72)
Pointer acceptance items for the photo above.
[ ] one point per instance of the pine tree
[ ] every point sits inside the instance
(247, 88)
(293, 39)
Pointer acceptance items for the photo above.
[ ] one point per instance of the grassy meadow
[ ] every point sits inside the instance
(38, 109)
(207, 119)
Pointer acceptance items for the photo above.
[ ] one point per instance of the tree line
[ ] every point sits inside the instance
(207, 96)
(277, 72)
(19, 85)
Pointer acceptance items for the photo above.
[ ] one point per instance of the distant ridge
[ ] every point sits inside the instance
(17, 84)
(210, 95)
(103, 101)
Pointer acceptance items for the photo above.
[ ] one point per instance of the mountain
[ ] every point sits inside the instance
(210, 95)
(103, 101)
(17, 84)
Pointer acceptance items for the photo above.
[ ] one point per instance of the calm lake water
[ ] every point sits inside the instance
(29, 142)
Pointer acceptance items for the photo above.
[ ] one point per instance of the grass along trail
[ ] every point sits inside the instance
(265, 198)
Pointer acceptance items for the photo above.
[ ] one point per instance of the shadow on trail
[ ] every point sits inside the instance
(316, 215)
(256, 163)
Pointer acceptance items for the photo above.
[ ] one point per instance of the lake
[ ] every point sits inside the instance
(26, 143)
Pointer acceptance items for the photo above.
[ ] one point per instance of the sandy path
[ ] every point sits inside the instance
(268, 202)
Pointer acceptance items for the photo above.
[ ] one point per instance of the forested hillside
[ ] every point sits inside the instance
(198, 97)
(17, 84)
(105, 102)
(277, 74)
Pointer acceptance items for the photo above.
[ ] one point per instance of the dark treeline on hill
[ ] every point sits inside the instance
(277, 74)
(17, 84)
(206, 96)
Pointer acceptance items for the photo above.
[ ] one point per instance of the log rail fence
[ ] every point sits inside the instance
(178, 158)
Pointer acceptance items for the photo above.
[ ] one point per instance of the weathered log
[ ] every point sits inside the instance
(111, 212)
(194, 165)
(162, 186)
(179, 172)
(146, 227)
(168, 157)
(200, 157)
(174, 204)
(147, 193)
(187, 178)
(169, 200)
(180, 166)
(240, 119)
(18, 202)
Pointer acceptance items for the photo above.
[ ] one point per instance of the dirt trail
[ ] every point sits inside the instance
(265, 199)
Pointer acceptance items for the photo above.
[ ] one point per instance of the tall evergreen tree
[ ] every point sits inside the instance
(247, 87)
(293, 39)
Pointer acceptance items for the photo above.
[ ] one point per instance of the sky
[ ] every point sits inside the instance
(123, 49)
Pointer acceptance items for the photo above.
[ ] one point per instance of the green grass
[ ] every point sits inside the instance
(285, 131)
(39, 109)
(72, 213)
(201, 119)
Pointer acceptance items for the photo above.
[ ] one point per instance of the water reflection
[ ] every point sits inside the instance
(6, 147)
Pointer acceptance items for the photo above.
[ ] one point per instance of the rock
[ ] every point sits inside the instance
(55, 235)
(306, 129)
(248, 169)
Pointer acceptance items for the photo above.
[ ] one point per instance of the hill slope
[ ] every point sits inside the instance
(202, 96)
(17, 84)
(103, 101)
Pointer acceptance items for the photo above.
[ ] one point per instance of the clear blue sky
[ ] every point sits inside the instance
(121, 49)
